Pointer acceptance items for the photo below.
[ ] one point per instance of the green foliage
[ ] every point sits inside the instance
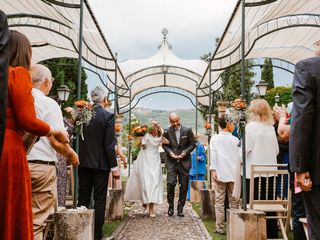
(65, 71)
(284, 93)
(210, 224)
(267, 73)
(206, 57)
(232, 78)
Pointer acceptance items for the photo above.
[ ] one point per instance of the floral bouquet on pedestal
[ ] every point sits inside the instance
(207, 126)
(83, 114)
(237, 113)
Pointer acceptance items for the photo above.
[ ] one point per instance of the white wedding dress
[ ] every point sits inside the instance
(145, 183)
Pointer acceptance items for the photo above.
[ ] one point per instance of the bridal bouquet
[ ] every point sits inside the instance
(139, 131)
(83, 114)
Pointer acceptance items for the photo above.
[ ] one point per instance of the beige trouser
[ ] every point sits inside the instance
(44, 195)
(220, 189)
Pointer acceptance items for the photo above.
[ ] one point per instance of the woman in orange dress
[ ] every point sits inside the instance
(15, 183)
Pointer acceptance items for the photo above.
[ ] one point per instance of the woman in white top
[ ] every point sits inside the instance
(261, 148)
(145, 184)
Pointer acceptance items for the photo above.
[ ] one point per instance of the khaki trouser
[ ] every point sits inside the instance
(44, 195)
(220, 189)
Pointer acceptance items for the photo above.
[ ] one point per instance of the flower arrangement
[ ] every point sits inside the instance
(237, 113)
(207, 125)
(83, 114)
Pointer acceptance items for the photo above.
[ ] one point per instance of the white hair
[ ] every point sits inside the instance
(98, 94)
(40, 73)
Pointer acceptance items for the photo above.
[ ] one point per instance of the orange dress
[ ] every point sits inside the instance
(15, 183)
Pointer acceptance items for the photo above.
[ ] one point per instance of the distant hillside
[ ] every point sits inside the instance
(188, 117)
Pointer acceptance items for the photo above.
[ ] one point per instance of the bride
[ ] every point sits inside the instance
(145, 182)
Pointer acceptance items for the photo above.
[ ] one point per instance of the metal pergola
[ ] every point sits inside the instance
(283, 30)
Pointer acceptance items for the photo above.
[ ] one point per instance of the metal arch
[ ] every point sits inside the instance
(221, 39)
(75, 49)
(101, 80)
(163, 91)
(120, 87)
(63, 4)
(254, 65)
(52, 30)
(257, 4)
(12, 17)
(176, 88)
(70, 5)
(103, 38)
(159, 66)
(152, 74)
(290, 25)
(261, 36)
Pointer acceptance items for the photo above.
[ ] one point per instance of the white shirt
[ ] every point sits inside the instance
(48, 111)
(177, 132)
(225, 156)
(261, 145)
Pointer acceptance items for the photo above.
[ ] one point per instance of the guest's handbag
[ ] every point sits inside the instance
(29, 140)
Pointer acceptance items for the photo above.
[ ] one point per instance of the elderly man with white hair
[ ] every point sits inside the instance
(42, 157)
(97, 158)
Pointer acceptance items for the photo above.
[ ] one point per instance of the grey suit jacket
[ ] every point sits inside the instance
(304, 146)
(4, 60)
(187, 143)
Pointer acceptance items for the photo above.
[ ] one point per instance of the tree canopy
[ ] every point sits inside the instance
(267, 73)
(65, 71)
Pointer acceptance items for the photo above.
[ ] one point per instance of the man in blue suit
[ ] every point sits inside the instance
(198, 164)
(97, 158)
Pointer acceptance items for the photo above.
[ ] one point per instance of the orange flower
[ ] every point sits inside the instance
(238, 104)
(117, 127)
(80, 103)
(207, 125)
(130, 137)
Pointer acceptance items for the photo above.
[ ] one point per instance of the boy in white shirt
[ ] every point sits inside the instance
(225, 159)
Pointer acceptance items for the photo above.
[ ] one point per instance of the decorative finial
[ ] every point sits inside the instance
(165, 33)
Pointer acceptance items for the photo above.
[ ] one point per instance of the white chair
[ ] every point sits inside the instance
(278, 203)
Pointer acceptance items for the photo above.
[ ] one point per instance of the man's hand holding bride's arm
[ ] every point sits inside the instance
(182, 155)
(164, 140)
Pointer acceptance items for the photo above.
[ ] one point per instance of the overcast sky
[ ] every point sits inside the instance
(133, 30)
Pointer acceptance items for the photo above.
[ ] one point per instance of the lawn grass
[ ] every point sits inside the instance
(109, 227)
(210, 224)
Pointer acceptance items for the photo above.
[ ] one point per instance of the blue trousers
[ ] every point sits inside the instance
(191, 178)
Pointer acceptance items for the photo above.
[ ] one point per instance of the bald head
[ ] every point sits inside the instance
(174, 120)
(41, 78)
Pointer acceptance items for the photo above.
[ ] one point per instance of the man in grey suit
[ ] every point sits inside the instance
(181, 144)
(4, 61)
(305, 138)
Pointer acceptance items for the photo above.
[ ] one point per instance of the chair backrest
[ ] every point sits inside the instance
(272, 184)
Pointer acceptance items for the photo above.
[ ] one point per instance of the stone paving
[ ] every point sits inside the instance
(139, 226)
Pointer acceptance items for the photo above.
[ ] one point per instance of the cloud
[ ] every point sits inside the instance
(133, 27)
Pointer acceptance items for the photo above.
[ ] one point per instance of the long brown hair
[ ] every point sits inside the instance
(20, 50)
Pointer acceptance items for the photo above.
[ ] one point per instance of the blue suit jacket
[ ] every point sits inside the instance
(97, 150)
(201, 162)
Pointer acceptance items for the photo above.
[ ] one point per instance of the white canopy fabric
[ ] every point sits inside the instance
(281, 29)
(162, 69)
(52, 26)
